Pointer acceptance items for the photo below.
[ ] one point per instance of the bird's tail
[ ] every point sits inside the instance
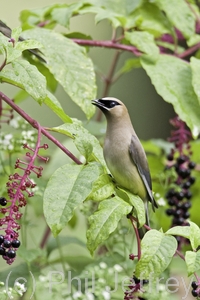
(143, 230)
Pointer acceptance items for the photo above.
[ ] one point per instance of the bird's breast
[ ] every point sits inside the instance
(121, 166)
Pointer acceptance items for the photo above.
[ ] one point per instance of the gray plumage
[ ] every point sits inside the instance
(123, 152)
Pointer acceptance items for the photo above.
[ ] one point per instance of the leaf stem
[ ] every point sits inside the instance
(36, 125)
(137, 236)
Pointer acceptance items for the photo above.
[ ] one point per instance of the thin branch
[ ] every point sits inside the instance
(108, 44)
(189, 51)
(36, 125)
(45, 237)
(132, 219)
(180, 254)
(108, 81)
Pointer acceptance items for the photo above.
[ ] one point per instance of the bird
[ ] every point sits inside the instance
(124, 154)
(5, 30)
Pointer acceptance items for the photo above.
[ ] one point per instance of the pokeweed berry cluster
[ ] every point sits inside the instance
(195, 289)
(19, 187)
(179, 194)
(135, 287)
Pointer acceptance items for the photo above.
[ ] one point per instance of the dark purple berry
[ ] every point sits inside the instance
(11, 253)
(180, 195)
(3, 201)
(7, 243)
(188, 194)
(191, 165)
(184, 173)
(181, 159)
(137, 280)
(194, 293)
(170, 157)
(186, 215)
(1, 239)
(194, 285)
(16, 243)
(180, 221)
(2, 251)
(170, 194)
(185, 206)
(178, 213)
(170, 212)
(192, 179)
(171, 202)
(186, 185)
(145, 281)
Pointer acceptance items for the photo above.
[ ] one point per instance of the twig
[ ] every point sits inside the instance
(189, 51)
(45, 237)
(132, 219)
(108, 44)
(36, 125)
(108, 81)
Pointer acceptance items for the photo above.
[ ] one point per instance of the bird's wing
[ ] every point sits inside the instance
(139, 158)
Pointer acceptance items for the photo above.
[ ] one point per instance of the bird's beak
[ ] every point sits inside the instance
(96, 102)
(99, 104)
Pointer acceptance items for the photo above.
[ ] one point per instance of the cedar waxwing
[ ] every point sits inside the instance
(7, 32)
(124, 154)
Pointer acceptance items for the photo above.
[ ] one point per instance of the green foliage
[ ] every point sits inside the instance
(105, 220)
(83, 200)
(68, 187)
(154, 262)
(167, 84)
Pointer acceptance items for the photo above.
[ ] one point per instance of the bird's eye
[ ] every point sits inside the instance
(112, 104)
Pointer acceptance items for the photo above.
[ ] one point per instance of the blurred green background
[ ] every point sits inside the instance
(149, 113)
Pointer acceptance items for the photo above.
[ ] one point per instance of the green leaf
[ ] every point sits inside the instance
(63, 13)
(179, 14)
(144, 42)
(16, 33)
(180, 231)
(117, 6)
(129, 65)
(27, 44)
(157, 252)
(81, 135)
(195, 66)
(55, 106)
(68, 187)
(172, 78)
(136, 202)
(70, 65)
(194, 235)
(105, 220)
(102, 188)
(193, 40)
(153, 20)
(3, 43)
(192, 260)
(170, 46)
(27, 77)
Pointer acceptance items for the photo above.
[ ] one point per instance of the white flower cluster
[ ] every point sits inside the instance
(19, 289)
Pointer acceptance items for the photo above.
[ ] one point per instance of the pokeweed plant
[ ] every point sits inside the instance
(163, 38)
